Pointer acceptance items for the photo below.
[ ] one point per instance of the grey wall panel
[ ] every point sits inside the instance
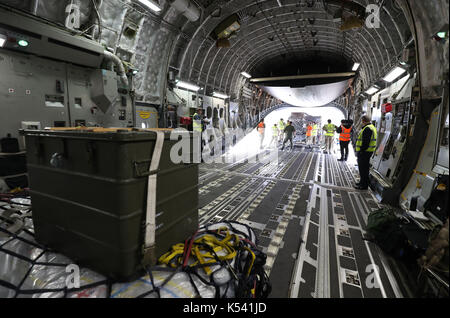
(50, 42)
(24, 83)
(113, 117)
(80, 88)
(79, 98)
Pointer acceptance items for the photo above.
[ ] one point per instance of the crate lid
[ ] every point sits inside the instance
(98, 133)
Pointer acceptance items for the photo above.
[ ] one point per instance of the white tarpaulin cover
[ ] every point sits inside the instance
(308, 96)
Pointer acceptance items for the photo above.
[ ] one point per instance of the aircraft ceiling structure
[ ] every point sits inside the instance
(294, 28)
(158, 42)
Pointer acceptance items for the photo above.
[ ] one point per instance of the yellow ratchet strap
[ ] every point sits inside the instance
(217, 246)
(175, 254)
(203, 256)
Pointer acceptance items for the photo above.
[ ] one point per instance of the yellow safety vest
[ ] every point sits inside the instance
(373, 141)
(330, 128)
(197, 124)
(314, 131)
(275, 130)
(281, 125)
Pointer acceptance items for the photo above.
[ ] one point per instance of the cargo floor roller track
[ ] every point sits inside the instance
(309, 220)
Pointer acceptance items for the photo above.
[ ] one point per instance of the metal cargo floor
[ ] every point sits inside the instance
(309, 220)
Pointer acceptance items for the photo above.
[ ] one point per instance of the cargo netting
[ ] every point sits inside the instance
(220, 261)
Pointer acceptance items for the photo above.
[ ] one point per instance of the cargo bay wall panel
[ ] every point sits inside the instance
(50, 93)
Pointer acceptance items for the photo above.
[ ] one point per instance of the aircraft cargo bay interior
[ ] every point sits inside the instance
(241, 149)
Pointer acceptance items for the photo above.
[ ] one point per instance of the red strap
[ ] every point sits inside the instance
(188, 252)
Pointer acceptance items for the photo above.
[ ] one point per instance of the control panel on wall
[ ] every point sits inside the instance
(44, 93)
(98, 99)
(35, 95)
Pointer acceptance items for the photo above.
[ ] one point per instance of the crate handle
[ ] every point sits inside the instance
(57, 160)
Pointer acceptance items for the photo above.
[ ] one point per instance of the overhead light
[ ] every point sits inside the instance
(394, 74)
(188, 86)
(23, 43)
(372, 90)
(220, 95)
(245, 74)
(227, 27)
(442, 35)
(152, 5)
(356, 66)
(2, 40)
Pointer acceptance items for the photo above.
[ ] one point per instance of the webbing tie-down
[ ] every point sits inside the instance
(150, 216)
(206, 251)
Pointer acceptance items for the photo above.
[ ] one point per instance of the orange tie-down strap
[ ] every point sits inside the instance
(100, 129)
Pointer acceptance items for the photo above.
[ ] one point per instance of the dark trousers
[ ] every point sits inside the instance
(286, 140)
(364, 167)
(172, 124)
(344, 149)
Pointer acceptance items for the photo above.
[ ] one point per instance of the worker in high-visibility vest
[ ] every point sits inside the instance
(198, 120)
(315, 132)
(345, 134)
(281, 127)
(261, 130)
(329, 129)
(366, 145)
(198, 126)
(309, 134)
(274, 140)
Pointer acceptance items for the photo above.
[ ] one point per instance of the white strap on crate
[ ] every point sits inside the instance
(150, 220)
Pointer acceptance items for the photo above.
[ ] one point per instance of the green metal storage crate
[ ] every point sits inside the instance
(89, 197)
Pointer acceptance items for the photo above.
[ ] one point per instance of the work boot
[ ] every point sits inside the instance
(361, 188)
(341, 159)
(368, 237)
